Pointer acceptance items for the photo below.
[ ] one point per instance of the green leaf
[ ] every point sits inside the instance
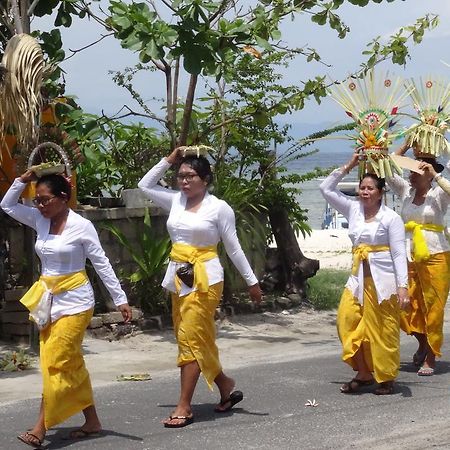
(192, 64)
(320, 18)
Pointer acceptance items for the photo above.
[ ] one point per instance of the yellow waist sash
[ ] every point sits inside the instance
(54, 284)
(196, 256)
(420, 250)
(361, 253)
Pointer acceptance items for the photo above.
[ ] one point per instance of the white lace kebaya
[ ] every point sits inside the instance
(388, 268)
(66, 253)
(212, 223)
(432, 211)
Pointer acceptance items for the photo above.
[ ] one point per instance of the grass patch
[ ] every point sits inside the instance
(325, 288)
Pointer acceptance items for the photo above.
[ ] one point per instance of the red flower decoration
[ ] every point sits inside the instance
(429, 84)
(387, 83)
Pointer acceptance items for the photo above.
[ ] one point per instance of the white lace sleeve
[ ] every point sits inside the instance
(227, 229)
(333, 195)
(149, 186)
(398, 250)
(10, 204)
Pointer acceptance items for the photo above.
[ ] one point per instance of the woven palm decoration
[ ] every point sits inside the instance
(373, 103)
(22, 69)
(431, 98)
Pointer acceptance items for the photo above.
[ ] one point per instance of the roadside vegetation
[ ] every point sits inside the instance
(325, 289)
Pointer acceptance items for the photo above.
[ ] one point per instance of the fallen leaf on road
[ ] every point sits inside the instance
(135, 377)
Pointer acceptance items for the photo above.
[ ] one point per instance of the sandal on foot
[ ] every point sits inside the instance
(425, 372)
(79, 433)
(234, 398)
(186, 420)
(385, 388)
(419, 358)
(30, 439)
(355, 385)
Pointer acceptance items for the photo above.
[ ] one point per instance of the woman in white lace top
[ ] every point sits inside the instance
(368, 319)
(424, 205)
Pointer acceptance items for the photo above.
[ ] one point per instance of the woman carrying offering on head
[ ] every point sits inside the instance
(368, 318)
(424, 205)
(64, 240)
(197, 222)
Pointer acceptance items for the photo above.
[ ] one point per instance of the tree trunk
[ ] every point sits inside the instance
(296, 267)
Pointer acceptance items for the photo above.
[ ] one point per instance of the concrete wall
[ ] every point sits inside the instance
(21, 242)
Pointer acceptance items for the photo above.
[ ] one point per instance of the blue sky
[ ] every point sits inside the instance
(87, 72)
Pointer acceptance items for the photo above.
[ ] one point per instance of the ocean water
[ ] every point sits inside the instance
(310, 197)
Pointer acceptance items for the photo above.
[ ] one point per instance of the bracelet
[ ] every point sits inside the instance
(404, 285)
(437, 176)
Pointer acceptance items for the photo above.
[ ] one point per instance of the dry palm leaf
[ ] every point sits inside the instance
(20, 88)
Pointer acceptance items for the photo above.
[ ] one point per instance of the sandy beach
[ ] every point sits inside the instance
(331, 247)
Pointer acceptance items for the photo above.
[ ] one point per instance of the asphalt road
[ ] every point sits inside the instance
(273, 414)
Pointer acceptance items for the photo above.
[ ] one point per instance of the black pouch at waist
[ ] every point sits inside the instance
(186, 274)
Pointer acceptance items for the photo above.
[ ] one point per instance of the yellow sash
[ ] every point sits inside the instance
(196, 256)
(55, 284)
(361, 253)
(420, 250)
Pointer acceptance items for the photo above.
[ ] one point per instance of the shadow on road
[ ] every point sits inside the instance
(60, 438)
(205, 412)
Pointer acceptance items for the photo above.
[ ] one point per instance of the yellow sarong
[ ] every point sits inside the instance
(372, 327)
(195, 330)
(429, 284)
(55, 284)
(196, 256)
(420, 250)
(67, 388)
(361, 253)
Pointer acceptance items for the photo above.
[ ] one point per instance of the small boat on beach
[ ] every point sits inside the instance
(333, 219)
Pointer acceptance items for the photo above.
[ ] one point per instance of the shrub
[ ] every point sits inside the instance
(325, 288)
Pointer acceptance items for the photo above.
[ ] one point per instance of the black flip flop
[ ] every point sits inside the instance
(187, 421)
(234, 398)
(355, 385)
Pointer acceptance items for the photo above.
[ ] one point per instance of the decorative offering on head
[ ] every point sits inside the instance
(431, 98)
(373, 103)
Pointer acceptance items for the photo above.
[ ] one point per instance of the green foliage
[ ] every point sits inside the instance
(15, 361)
(65, 9)
(325, 288)
(151, 256)
(396, 48)
(116, 155)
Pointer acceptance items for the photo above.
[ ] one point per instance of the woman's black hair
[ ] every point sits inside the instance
(380, 183)
(57, 184)
(201, 165)
(436, 166)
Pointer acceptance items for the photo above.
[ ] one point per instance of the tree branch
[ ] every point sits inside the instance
(133, 113)
(16, 14)
(74, 52)
(32, 8)
(25, 18)
(188, 110)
